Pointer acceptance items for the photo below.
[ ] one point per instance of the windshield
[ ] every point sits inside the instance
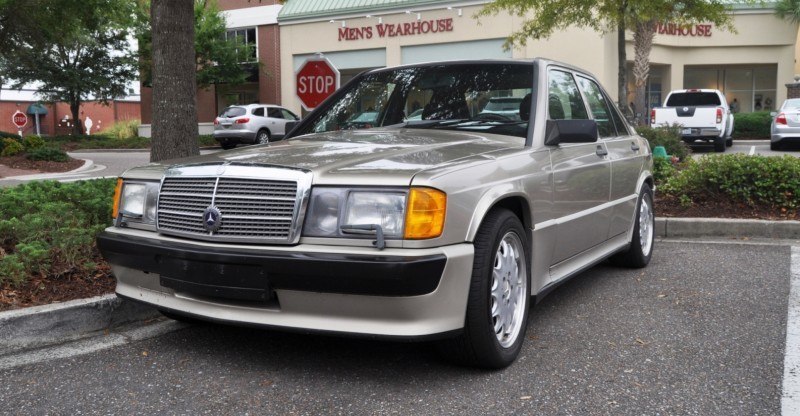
(477, 97)
(693, 99)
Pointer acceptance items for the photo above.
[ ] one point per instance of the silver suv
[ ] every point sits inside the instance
(252, 123)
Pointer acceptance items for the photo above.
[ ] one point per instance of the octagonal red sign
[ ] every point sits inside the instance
(316, 80)
(19, 119)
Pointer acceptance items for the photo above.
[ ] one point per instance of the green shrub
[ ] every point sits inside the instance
(49, 227)
(11, 147)
(5, 135)
(32, 142)
(125, 129)
(206, 140)
(669, 137)
(752, 125)
(663, 170)
(47, 153)
(754, 180)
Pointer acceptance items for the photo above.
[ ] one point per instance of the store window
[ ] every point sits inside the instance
(246, 44)
(753, 88)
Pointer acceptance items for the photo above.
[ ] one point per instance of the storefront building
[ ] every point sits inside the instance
(752, 65)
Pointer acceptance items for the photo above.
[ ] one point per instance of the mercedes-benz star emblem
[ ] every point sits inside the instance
(212, 219)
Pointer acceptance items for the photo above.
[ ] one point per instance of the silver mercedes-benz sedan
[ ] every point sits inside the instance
(442, 228)
(785, 126)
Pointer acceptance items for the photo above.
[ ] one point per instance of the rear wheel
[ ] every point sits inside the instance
(262, 137)
(497, 306)
(640, 249)
(774, 146)
(719, 145)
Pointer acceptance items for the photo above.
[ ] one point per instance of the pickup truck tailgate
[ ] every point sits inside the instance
(700, 117)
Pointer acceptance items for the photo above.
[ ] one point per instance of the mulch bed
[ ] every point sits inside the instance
(20, 162)
(51, 289)
(710, 207)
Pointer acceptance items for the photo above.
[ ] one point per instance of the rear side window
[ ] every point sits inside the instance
(693, 99)
(233, 112)
(258, 111)
(273, 112)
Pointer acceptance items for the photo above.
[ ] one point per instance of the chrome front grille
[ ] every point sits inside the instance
(253, 209)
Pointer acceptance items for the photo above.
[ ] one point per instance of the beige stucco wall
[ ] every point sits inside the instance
(761, 39)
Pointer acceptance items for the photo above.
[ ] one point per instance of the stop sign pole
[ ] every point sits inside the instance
(315, 81)
(20, 120)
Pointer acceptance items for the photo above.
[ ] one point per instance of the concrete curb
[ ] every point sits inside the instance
(51, 324)
(87, 164)
(723, 227)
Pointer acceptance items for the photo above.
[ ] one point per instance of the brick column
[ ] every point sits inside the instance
(793, 89)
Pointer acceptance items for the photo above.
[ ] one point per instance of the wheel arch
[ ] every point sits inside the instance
(517, 203)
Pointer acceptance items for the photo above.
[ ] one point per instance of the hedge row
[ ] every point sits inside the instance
(771, 181)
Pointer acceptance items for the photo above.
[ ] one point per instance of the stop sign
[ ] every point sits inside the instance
(19, 119)
(316, 80)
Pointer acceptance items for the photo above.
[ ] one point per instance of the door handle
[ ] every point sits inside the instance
(634, 147)
(601, 151)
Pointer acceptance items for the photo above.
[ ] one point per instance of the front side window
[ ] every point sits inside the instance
(288, 114)
(601, 113)
(564, 102)
(490, 97)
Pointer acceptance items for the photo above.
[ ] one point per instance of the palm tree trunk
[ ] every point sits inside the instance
(642, 45)
(174, 125)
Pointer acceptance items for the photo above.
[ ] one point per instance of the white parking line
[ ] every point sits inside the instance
(752, 150)
(90, 345)
(790, 400)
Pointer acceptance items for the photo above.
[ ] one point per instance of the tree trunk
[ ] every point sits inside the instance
(622, 61)
(75, 109)
(174, 124)
(642, 45)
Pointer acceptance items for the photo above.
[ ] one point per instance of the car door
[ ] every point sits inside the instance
(624, 154)
(277, 124)
(581, 175)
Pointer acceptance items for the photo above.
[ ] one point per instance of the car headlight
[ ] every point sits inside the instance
(135, 202)
(417, 213)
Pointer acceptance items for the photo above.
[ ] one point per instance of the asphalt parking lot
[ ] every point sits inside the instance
(700, 331)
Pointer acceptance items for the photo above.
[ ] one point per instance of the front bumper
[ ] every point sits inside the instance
(394, 292)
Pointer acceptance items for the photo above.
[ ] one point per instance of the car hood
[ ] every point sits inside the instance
(384, 157)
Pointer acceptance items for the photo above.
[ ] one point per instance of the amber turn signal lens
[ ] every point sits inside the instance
(425, 216)
(117, 194)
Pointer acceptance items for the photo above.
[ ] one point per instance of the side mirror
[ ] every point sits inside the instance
(570, 131)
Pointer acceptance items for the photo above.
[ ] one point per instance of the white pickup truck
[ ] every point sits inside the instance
(701, 115)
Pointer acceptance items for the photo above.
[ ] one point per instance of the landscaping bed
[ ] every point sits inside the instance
(21, 162)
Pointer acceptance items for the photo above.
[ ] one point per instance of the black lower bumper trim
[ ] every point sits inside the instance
(252, 274)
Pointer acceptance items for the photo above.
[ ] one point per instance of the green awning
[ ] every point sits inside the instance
(37, 108)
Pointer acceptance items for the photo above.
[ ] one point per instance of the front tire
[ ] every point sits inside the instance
(498, 302)
(640, 250)
(729, 142)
